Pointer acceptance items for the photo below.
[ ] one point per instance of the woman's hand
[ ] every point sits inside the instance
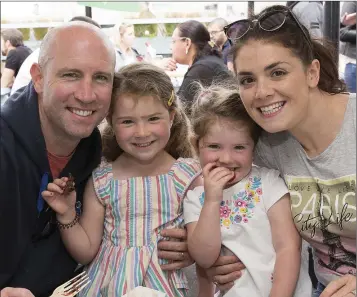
(61, 197)
(341, 287)
(175, 249)
(225, 271)
(15, 292)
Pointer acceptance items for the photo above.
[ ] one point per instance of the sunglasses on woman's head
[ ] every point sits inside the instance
(270, 21)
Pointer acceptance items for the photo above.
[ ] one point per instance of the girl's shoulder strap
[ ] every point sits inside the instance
(102, 177)
(184, 173)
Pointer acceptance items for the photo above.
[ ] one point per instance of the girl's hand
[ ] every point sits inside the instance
(215, 178)
(59, 199)
(225, 271)
(341, 287)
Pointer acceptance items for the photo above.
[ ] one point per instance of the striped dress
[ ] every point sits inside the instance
(136, 210)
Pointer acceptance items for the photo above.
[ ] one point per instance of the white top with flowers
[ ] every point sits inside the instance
(245, 230)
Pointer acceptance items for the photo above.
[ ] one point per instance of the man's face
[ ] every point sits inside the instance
(4, 48)
(217, 34)
(76, 85)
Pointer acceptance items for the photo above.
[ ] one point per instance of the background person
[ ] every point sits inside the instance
(190, 46)
(216, 32)
(348, 44)
(123, 37)
(310, 14)
(12, 46)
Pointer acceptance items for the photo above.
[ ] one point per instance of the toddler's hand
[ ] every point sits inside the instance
(215, 178)
(60, 196)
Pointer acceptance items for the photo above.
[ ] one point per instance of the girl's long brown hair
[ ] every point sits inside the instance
(143, 79)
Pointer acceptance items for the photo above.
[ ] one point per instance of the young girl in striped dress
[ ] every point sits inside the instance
(137, 190)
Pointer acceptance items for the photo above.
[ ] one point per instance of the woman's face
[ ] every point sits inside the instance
(128, 37)
(274, 85)
(178, 47)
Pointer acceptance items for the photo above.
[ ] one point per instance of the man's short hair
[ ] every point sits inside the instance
(86, 19)
(219, 21)
(13, 35)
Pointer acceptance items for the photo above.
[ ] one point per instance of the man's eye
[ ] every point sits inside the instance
(102, 78)
(70, 75)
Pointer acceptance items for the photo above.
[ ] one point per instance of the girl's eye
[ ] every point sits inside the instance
(154, 119)
(239, 147)
(213, 146)
(246, 80)
(278, 73)
(127, 122)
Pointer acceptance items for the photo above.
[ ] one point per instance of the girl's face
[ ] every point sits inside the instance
(229, 144)
(141, 125)
(128, 37)
(274, 85)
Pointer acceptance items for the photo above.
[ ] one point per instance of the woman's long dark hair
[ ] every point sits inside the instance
(292, 37)
(200, 38)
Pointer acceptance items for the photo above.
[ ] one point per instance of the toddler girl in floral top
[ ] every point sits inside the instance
(241, 208)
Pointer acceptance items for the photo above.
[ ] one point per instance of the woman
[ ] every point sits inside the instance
(289, 85)
(190, 46)
(124, 37)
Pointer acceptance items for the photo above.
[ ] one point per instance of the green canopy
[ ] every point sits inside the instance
(119, 6)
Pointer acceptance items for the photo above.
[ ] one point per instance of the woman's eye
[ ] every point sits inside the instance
(246, 80)
(278, 73)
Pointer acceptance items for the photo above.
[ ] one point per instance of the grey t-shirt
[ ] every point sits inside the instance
(323, 193)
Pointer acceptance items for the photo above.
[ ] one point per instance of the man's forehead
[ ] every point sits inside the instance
(214, 27)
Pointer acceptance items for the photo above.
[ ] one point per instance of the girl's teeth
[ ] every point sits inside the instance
(143, 144)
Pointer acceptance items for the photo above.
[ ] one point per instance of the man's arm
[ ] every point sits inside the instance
(7, 78)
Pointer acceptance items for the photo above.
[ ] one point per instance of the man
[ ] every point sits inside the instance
(68, 97)
(215, 29)
(24, 77)
(12, 46)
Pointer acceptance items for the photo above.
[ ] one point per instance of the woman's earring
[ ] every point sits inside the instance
(186, 51)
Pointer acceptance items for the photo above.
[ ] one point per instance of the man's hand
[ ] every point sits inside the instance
(175, 249)
(15, 292)
(225, 271)
(341, 287)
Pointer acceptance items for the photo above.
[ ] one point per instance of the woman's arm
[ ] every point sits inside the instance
(287, 245)
(83, 239)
